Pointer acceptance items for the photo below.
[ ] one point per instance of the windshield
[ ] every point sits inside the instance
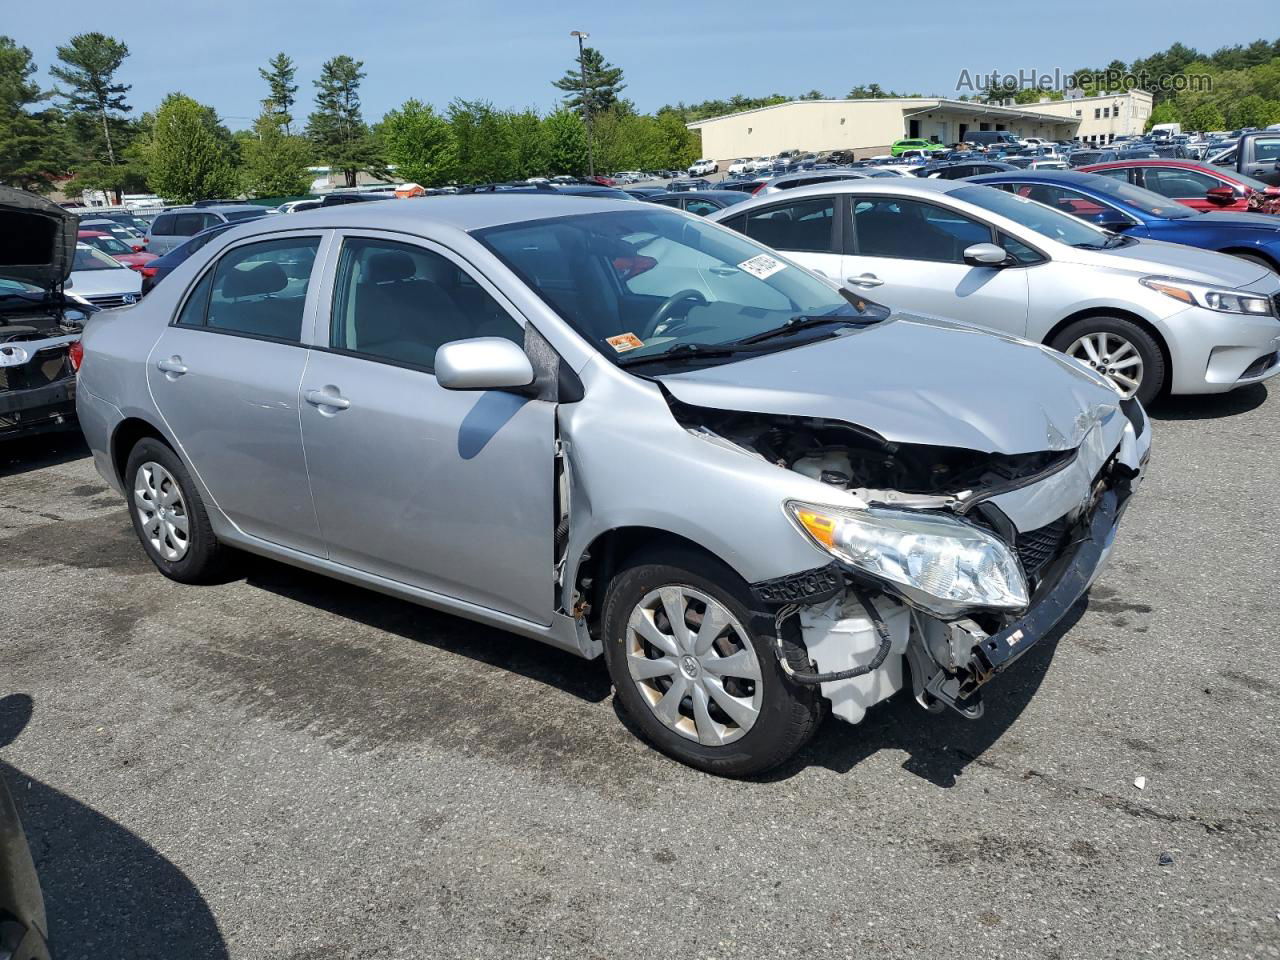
(108, 244)
(1043, 219)
(89, 259)
(1152, 204)
(641, 283)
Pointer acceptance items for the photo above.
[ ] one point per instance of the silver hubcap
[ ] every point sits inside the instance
(693, 664)
(163, 515)
(1112, 356)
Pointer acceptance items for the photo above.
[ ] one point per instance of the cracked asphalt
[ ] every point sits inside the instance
(287, 767)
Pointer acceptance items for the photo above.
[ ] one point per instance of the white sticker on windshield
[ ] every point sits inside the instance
(762, 266)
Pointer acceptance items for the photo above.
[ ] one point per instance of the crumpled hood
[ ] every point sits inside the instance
(917, 380)
(37, 239)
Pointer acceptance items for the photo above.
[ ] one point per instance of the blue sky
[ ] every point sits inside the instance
(509, 52)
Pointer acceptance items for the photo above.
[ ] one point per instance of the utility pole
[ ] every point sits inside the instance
(586, 100)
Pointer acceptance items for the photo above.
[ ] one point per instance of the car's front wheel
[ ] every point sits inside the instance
(1118, 349)
(169, 516)
(691, 673)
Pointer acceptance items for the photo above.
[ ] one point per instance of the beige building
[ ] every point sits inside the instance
(1105, 117)
(869, 127)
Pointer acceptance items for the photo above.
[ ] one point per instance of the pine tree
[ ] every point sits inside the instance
(189, 158)
(603, 82)
(281, 98)
(337, 127)
(32, 147)
(90, 64)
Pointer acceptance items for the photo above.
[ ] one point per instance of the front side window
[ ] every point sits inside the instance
(802, 225)
(1045, 220)
(398, 302)
(641, 283)
(1178, 184)
(260, 289)
(911, 230)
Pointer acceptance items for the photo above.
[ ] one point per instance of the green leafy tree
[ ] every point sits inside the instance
(419, 143)
(1166, 112)
(337, 127)
(32, 142)
(279, 74)
(1250, 111)
(481, 139)
(88, 68)
(1204, 117)
(603, 83)
(188, 157)
(564, 142)
(275, 161)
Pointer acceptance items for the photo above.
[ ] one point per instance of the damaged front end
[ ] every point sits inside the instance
(951, 561)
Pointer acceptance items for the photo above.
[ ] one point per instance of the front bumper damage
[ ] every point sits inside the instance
(824, 611)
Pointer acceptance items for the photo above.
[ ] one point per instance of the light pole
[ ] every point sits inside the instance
(586, 99)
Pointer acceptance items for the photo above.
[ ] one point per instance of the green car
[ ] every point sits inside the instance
(902, 146)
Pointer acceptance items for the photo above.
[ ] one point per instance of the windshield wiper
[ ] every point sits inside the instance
(686, 351)
(796, 324)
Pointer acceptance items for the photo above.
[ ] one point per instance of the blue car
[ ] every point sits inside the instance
(1119, 206)
(161, 267)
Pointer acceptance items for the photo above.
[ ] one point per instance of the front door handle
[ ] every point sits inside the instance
(173, 367)
(866, 280)
(328, 397)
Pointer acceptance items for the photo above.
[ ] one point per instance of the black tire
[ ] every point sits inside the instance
(789, 713)
(205, 558)
(1154, 375)
(1259, 260)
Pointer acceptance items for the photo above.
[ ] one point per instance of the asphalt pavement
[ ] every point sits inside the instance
(287, 767)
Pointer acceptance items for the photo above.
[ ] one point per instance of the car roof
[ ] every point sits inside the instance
(1073, 177)
(464, 212)
(736, 196)
(209, 208)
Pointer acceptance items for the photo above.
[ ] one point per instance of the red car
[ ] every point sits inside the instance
(116, 249)
(1197, 185)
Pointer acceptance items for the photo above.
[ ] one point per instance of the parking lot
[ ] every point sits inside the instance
(284, 766)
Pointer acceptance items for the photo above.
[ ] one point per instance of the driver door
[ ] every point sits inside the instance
(908, 255)
(445, 490)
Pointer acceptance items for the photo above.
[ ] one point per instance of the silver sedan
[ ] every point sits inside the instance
(623, 431)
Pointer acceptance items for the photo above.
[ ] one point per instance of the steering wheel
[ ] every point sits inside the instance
(693, 297)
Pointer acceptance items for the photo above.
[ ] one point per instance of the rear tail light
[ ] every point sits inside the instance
(628, 267)
(145, 270)
(75, 353)
(138, 248)
(757, 189)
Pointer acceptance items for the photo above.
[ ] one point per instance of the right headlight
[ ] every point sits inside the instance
(945, 565)
(1211, 298)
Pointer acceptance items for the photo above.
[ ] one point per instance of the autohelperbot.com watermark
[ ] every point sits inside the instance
(1029, 78)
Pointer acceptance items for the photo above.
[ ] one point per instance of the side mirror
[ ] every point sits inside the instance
(1222, 196)
(985, 255)
(482, 363)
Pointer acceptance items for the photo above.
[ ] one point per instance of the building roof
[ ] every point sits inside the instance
(920, 104)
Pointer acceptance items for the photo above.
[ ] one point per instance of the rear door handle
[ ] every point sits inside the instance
(866, 280)
(328, 397)
(173, 367)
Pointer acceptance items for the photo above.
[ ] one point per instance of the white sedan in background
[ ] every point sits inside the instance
(102, 280)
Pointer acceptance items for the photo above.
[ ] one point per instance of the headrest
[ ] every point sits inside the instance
(264, 278)
(390, 266)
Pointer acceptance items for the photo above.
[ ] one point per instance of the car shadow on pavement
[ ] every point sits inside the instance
(938, 746)
(585, 679)
(107, 892)
(1211, 405)
(42, 450)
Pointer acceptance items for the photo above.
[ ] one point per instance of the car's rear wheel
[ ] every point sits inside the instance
(169, 516)
(1119, 350)
(693, 675)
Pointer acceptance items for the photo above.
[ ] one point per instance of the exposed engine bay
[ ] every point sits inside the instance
(860, 461)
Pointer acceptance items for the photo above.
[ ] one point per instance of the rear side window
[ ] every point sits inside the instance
(260, 289)
(803, 225)
(163, 225)
(187, 224)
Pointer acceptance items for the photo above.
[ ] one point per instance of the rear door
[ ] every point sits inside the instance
(446, 490)
(908, 254)
(225, 377)
(806, 229)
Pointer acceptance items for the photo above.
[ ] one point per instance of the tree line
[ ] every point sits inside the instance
(1243, 88)
(84, 129)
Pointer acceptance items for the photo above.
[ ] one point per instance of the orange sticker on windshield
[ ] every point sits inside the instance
(624, 342)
